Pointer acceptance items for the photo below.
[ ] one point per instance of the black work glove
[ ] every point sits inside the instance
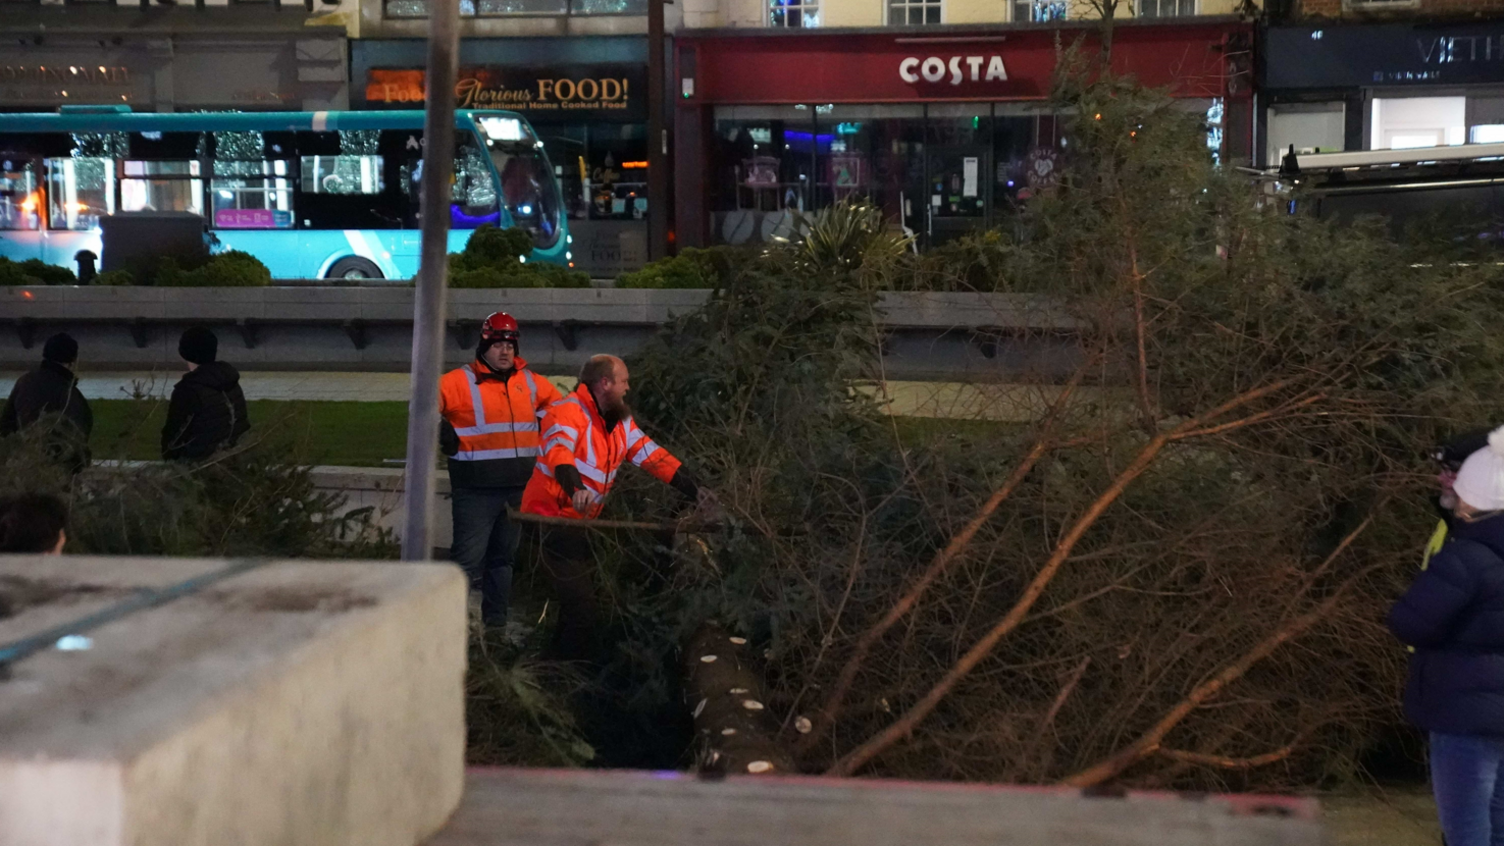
(568, 477)
(449, 440)
(685, 483)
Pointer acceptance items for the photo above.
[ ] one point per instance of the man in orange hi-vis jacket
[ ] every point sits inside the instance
(491, 408)
(586, 437)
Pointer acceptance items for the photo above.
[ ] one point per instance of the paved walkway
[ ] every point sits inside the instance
(1011, 403)
(1398, 817)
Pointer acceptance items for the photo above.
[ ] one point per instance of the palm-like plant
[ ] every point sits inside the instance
(851, 237)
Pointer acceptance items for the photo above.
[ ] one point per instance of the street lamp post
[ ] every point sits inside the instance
(429, 302)
(659, 177)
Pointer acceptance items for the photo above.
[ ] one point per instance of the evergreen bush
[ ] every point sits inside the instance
(493, 258)
(34, 272)
(691, 268)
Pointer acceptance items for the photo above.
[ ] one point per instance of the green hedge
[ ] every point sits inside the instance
(232, 269)
(34, 272)
(691, 268)
(493, 258)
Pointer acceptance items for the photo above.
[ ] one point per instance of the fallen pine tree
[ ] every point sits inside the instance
(1174, 577)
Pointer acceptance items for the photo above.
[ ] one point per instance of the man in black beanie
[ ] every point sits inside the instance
(53, 389)
(207, 412)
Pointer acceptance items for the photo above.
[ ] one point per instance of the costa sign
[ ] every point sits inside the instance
(1190, 57)
(958, 68)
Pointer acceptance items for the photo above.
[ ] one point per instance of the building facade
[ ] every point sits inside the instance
(947, 131)
(1378, 86)
(170, 58)
(807, 14)
(576, 68)
(587, 98)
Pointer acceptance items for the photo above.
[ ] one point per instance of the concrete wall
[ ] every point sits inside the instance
(381, 489)
(929, 335)
(511, 807)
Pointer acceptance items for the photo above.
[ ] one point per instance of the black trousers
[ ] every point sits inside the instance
(569, 566)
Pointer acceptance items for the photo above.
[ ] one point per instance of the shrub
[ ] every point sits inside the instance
(34, 272)
(115, 278)
(491, 246)
(493, 259)
(233, 269)
(50, 274)
(691, 268)
(257, 499)
(12, 274)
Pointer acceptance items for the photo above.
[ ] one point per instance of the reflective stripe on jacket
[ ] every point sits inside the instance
(575, 433)
(495, 423)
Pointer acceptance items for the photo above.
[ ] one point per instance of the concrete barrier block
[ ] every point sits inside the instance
(966, 309)
(381, 489)
(303, 304)
(76, 302)
(388, 304)
(536, 304)
(196, 304)
(302, 702)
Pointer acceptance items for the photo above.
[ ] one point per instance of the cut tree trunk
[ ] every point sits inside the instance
(734, 731)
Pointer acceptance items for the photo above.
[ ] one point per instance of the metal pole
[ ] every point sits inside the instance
(428, 320)
(658, 161)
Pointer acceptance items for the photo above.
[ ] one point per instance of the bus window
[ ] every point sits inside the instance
(161, 186)
(20, 202)
(248, 190)
(473, 200)
(342, 181)
(342, 175)
(528, 188)
(79, 192)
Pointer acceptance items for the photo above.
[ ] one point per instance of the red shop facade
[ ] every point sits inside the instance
(947, 130)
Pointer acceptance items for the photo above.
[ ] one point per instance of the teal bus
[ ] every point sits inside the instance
(313, 195)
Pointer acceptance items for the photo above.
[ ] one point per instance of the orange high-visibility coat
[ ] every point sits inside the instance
(496, 423)
(575, 433)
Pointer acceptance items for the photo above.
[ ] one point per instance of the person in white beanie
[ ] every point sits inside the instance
(1453, 619)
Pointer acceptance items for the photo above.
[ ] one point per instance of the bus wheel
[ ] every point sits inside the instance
(354, 267)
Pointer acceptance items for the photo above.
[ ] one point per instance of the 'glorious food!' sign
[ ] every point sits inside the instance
(593, 91)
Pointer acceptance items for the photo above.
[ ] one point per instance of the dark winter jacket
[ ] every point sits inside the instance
(207, 413)
(50, 389)
(1454, 618)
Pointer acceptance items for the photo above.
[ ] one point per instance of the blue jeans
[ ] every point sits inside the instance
(1465, 776)
(485, 545)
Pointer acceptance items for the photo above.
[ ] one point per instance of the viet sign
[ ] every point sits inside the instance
(1384, 54)
(595, 92)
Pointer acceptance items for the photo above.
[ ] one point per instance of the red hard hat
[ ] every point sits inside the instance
(500, 326)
